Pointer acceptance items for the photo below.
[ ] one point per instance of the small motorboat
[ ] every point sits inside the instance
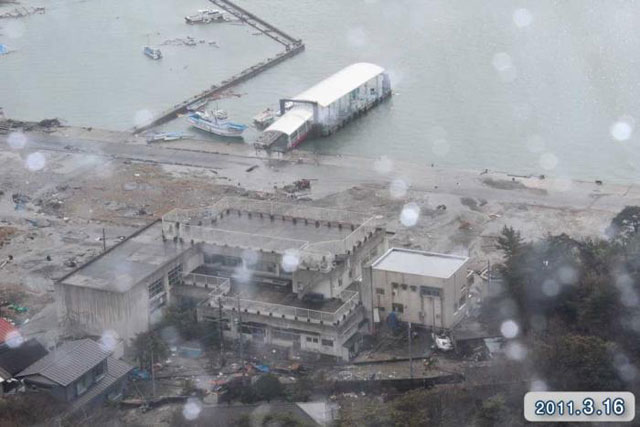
(265, 118)
(205, 16)
(152, 53)
(166, 136)
(216, 122)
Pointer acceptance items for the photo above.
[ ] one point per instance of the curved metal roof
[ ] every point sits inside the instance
(341, 83)
(290, 121)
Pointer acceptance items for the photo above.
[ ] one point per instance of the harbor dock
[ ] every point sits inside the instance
(292, 47)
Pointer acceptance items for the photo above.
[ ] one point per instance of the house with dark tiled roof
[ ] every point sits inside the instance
(81, 372)
(14, 359)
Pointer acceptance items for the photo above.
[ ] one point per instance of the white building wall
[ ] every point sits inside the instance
(428, 311)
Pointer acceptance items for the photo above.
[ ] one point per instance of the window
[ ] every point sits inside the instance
(340, 283)
(100, 371)
(381, 308)
(156, 288)
(429, 291)
(413, 288)
(175, 275)
(394, 285)
(327, 343)
(462, 300)
(398, 308)
(379, 291)
(404, 286)
(83, 384)
(315, 340)
(308, 339)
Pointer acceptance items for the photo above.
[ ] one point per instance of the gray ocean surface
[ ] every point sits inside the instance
(527, 87)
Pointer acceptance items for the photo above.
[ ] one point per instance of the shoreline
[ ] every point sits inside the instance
(442, 178)
(243, 149)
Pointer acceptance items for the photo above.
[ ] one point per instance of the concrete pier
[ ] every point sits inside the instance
(292, 47)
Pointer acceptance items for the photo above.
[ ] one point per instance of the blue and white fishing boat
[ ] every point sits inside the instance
(152, 52)
(216, 122)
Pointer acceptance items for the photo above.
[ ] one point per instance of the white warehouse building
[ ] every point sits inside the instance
(328, 105)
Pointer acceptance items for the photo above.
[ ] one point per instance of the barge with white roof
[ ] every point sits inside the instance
(327, 106)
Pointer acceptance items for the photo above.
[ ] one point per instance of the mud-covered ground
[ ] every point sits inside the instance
(60, 190)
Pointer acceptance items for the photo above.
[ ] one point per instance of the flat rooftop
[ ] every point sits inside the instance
(420, 263)
(281, 229)
(128, 262)
(271, 227)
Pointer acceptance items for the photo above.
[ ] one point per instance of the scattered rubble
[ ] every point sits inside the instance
(188, 41)
(20, 12)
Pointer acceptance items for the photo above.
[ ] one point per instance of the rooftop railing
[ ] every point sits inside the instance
(280, 311)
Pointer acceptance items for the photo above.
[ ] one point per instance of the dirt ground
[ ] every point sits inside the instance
(52, 219)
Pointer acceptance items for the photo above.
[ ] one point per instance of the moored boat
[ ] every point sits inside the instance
(216, 122)
(152, 53)
(167, 136)
(205, 16)
(265, 118)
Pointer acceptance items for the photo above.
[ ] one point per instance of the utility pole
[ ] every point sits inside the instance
(221, 330)
(104, 241)
(410, 354)
(240, 336)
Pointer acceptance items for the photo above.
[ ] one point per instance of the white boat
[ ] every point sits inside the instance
(265, 118)
(167, 136)
(216, 122)
(205, 16)
(152, 52)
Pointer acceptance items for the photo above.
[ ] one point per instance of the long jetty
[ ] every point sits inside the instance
(292, 46)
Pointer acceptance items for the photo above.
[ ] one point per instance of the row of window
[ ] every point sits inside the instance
(156, 288)
(424, 290)
(326, 343)
(175, 275)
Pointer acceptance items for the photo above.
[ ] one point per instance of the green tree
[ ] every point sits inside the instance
(509, 242)
(301, 390)
(626, 222)
(577, 362)
(148, 346)
(268, 387)
(493, 411)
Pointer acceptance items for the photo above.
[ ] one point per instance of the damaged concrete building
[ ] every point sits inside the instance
(428, 289)
(279, 274)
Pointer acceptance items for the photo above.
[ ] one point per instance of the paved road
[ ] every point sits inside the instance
(334, 174)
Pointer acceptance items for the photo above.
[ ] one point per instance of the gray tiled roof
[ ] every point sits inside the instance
(68, 362)
(116, 369)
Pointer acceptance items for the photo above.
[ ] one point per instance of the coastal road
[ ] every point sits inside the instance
(332, 174)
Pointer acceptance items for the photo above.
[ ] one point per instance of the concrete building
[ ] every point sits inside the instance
(424, 288)
(286, 273)
(328, 105)
(124, 289)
